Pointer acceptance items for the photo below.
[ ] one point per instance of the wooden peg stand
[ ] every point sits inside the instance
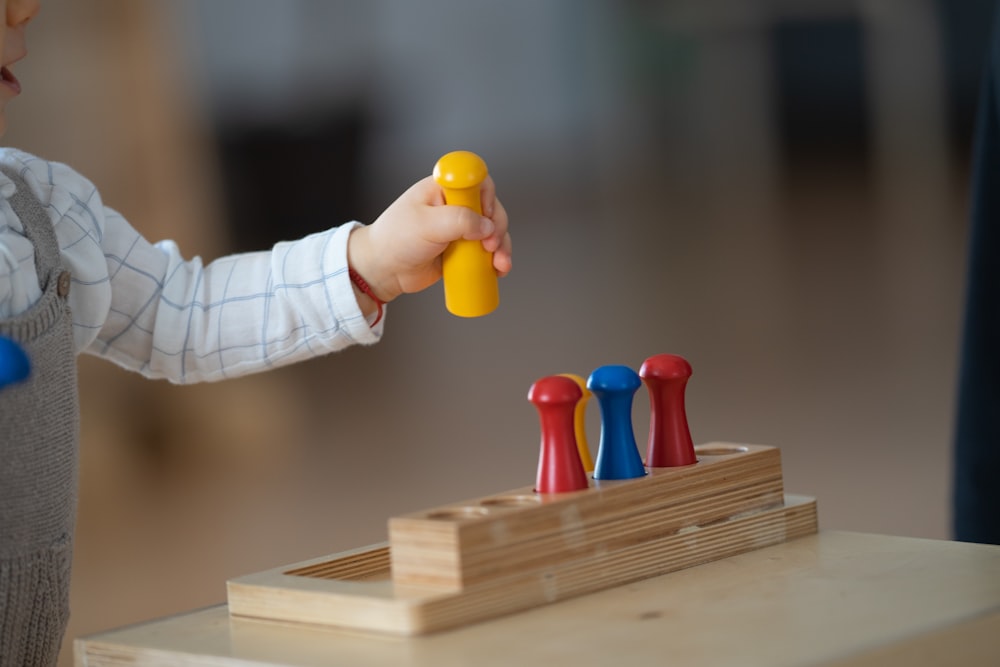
(469, 561)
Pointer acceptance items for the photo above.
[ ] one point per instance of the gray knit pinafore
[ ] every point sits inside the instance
(38, 459)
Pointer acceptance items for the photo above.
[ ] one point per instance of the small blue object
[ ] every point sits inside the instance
(617, 455)
(14, 364)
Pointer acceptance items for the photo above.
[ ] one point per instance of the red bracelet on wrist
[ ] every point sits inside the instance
(363, 286)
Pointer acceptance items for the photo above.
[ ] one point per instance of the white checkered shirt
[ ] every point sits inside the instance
(148, 309)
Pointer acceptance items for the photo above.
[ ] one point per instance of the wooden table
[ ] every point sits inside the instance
(835, 598)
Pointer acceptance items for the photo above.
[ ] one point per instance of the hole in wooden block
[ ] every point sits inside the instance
(453, 513)
(721, 451)
(511, 501)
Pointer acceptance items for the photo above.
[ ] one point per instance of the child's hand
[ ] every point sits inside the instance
(401, 251)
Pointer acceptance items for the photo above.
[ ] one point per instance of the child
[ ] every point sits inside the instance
(76, 277)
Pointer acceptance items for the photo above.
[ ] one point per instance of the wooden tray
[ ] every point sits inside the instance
(481, 558)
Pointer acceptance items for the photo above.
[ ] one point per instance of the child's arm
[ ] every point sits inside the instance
(176, 319)
(149, 309)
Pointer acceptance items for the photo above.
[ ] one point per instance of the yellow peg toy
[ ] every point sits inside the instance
(580, 422)
(470, 282)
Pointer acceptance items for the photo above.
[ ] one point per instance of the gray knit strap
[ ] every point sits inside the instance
(39, 429)
(37, 320)
(37, 227)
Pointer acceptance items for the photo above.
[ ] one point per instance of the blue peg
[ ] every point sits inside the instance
(14, 364)
(617, 455)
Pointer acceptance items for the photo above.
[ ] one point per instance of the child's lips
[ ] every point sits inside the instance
(8, 79)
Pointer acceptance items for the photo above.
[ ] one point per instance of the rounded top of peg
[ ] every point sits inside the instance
(613, 378)
(555, 390)
(581, 382)
(460, 170)
(665, 367)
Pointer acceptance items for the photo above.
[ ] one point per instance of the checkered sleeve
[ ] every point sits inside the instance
(189, 322)
(147, 308)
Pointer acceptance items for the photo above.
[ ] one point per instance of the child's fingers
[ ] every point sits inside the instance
(427, 192)
(499, 217)
(502, 261)
(488, 196)
(450, 223)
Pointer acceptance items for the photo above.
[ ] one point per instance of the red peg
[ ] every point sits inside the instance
(665, 376)
(559, 465)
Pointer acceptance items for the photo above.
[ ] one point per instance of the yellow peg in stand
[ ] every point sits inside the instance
(470, 281)
(580, 422)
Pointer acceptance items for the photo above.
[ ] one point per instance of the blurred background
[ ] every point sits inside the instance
(776, 190)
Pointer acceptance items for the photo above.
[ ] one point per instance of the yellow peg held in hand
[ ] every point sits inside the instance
(471, 288)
